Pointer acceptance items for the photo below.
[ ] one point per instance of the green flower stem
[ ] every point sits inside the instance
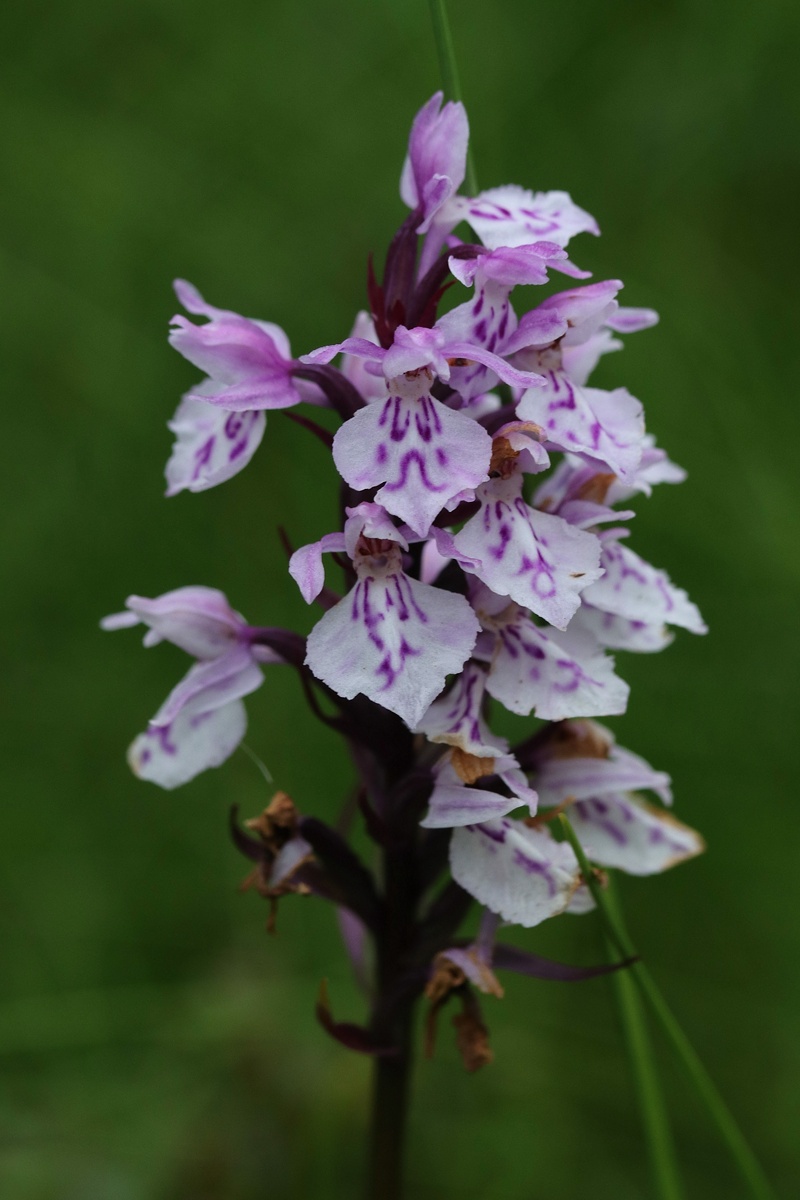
(740, 1152)
(449, 72)
(658, 1136)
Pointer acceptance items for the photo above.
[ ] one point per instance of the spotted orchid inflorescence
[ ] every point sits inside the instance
(484, 560)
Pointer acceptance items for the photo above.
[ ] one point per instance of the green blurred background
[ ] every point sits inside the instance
(156, 1044)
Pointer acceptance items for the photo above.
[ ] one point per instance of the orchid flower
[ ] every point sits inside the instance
(203, 719)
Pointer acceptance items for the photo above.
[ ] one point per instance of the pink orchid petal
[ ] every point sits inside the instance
(198, 619)
(211, 684)
(306, 568)
(435, 166)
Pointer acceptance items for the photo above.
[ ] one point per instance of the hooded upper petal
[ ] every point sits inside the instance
(436, 162)
(569, 771)
(198, 619)
(248, 363)
(454, 803)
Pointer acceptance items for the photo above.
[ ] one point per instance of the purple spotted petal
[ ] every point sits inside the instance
(393, 639)
(619, 634)
(212, 684)
(608, 426)
(198, 619)
(518, 872)
(537, 559)
(624, 832)
(633, 589)
(422, 451)
(456, 719)
(171, 755)
(484, 320)
(437, 154)
(512, 216)
(555, 675)
(211, 444)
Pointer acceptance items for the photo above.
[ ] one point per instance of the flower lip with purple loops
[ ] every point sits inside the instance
(392, 638)
(424, 453)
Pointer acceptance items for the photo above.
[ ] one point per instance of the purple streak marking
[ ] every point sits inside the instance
(535, 868)
(202, 456)
(409, 458)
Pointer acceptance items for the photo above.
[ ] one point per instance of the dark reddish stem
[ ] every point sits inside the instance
(392, 1023)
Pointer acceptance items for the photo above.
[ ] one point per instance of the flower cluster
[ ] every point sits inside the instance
(483, 548)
